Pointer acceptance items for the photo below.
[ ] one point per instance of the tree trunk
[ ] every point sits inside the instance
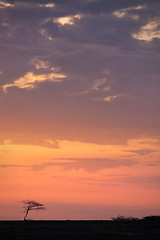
(26, 214)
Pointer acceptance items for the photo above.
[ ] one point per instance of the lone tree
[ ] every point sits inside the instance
(32, 205)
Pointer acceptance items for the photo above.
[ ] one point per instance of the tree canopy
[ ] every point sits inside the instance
(31, 205)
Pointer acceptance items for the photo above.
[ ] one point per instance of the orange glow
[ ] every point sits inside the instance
(30, 172)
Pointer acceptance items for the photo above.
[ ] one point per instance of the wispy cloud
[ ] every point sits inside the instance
(110, 98)
(46, 34)
(40, 64)
(153, 164)
(94, 164)
(147, 181)
(88, 164)
(49, 142)
(47, 5)
(30, 79)
(130, 12)
(100, 84)
(143, 151)
(12, 166)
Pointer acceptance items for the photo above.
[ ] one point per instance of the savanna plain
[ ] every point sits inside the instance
(78, 229)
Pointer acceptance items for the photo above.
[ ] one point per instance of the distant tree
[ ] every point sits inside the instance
(152, 218)
(123, 218)
(32, 205)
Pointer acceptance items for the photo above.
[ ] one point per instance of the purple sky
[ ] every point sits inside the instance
(107, 56)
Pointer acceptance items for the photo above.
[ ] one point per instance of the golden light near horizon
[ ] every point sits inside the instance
(61, 169)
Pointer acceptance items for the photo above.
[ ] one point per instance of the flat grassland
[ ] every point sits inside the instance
(78, 230)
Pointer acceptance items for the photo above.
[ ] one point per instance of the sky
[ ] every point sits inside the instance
(79, 108)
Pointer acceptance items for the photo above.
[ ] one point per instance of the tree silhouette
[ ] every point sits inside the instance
(124, 219)
(32, 205)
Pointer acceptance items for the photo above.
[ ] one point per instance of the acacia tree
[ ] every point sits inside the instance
(32, 205)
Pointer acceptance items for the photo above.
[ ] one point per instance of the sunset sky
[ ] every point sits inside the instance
(80, 108)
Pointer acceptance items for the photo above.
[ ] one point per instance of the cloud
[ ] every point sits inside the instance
(129, 12)
(143, 151)
(153, 164)
(27, 140)
(11, 166)
(111, 98)
(88, 164)
(49, 142)
(30, 79)
(46, 34)
(48, 5)
(39, 64)
(7, 141)
(5, 4)
(98, 84)
(148, 181)
(149, 31)
(92, 164)
(69, 20)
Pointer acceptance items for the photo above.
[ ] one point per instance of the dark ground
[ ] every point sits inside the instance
(78, 230)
